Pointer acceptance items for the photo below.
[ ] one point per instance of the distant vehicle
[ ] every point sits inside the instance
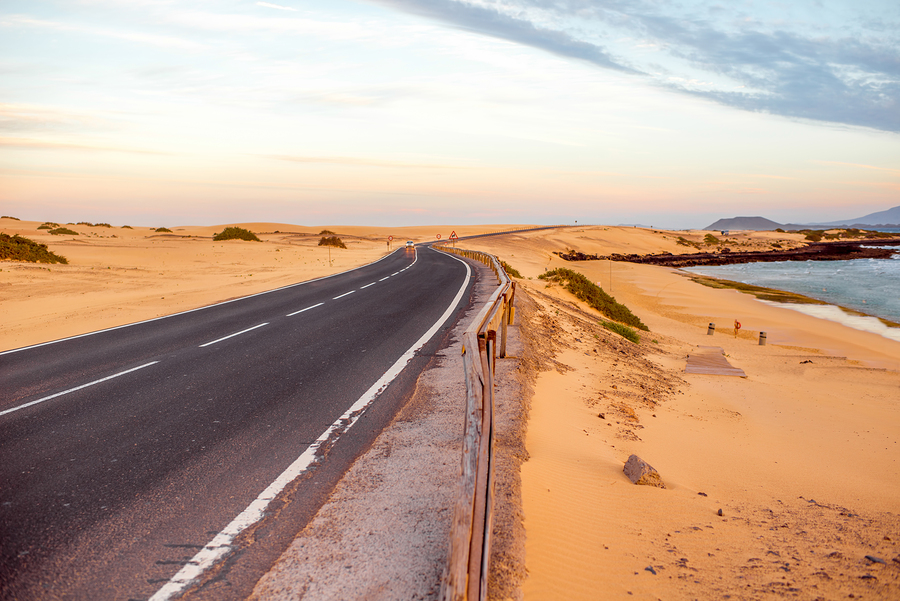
(409, 244)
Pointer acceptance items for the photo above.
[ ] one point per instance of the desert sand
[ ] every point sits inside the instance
(802, 456)
(118, 275)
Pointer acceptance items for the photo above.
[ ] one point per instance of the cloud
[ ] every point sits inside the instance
(488, 21)
(356, 162)
(162, 41)
(276, 6)
(35, 144)
(776, 63)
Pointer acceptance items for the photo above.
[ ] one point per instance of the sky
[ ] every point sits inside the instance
(412, 112)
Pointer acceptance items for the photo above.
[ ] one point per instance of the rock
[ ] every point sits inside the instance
(874, 559)
(650, 569)
(641, 472)
(720, 512)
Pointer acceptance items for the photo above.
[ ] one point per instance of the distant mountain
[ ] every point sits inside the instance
(743, 223)
(889, 217)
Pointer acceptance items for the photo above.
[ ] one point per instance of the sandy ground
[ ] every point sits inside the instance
(802, 456)
(118, 275)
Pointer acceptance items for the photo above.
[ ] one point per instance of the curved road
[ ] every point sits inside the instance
(138, 458)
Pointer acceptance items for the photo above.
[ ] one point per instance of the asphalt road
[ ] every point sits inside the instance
(126, 452)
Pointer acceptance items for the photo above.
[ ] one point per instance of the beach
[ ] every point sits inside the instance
(802, 456)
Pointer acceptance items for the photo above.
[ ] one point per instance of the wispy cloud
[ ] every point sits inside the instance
(37, 144)
(162, 41)
(890, 170)
(356, 161)
(796, 69)
(276, 6)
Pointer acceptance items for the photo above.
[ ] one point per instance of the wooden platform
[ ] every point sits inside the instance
(711, 361)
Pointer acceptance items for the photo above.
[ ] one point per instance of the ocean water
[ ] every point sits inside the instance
(870, 286)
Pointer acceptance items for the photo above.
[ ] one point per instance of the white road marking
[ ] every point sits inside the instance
(221, 545)
(384, 278)
(395, 273)
(367, 285)
(233, 335)
(234, 300)
(302, 310)
(53, 396)
(343, 295)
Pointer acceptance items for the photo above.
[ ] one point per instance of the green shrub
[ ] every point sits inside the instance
(326, 233)
(47, 225)
(101, 225)
(710, 240)
(63, 231)
(127, 227)
(163, 229)
(685, 242)
(593, 295)
(332, 241)
(510, 270)
(17, 248)
(236, 233)
(623, 331)
(10, 217)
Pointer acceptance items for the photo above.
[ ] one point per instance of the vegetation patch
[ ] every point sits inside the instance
(623, 331)
(327, 233)
(236, 233)
(682, 241)
(510, 270)
(47, 225)
(711, 240)
(332, 241)
(18, 248)
(63, 231)
(10, 217)
(127, 227)
(163, 230)
(593, 295)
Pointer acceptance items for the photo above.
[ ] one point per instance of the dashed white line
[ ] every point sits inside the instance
(367, 285)
(53, 396)
(233, 335)
(221, 545)
(384, 278)
(395, 273)
(343, 295)
(306, 309)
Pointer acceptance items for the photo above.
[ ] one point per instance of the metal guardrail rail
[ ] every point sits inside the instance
(466, 573)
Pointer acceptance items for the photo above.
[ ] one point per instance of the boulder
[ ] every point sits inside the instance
(641, 472)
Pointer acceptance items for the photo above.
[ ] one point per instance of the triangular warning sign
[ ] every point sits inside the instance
(453, 235)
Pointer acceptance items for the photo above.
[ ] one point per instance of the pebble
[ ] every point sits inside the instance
(650, 569)
(874, 559)
(720, 512)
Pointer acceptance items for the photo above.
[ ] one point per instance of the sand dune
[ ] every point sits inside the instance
(802, 456)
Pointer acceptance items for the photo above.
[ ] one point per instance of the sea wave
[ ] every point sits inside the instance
(836, 314)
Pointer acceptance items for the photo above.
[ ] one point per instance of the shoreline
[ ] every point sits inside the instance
(784, 297)
(843, 250)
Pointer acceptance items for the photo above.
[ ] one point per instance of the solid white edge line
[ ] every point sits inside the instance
(233, 335)
(53, 396)
(367, 285)
(220, 545)
(302, 310)
(233, 300)
(343, 295)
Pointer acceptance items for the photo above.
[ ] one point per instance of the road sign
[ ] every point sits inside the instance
(453, 235)
(438, 236)
(391, 238)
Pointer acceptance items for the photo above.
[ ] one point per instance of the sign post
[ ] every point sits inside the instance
(390, 239)
(453, 238)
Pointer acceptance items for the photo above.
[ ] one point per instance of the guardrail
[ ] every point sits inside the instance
(466, 573)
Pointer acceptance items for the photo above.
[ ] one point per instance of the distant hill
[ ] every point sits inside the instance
(889, 217)
(744, 223)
